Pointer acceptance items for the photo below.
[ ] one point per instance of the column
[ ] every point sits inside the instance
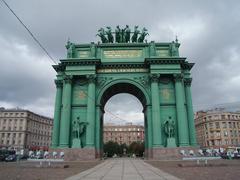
(190, 115)
(90, 111)
(66, 112)
(57, 114)
(97, 130)
(145, 129)
(156, 121)
(149, 126)
(181, 112)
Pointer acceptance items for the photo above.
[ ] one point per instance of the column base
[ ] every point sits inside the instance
(53, 146)
(194, 144)
(184, 145)
(63, 146)
(158, 146)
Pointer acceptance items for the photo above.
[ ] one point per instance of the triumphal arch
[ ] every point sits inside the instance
(123, 62)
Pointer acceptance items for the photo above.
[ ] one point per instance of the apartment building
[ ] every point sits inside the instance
(121, 134)
(21, 129)
(217, 128)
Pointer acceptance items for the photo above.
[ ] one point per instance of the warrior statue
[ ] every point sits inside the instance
(102, 35)
(169, 128)
(118, 34)
(78, 129)
(135, 34)
(109, 34)
(127, 33)
(143, 35)
(174, 49)
(70, 49)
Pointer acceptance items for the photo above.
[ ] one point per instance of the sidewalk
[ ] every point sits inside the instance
(123, 169)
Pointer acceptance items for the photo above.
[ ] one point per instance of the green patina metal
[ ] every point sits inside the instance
(93, 73)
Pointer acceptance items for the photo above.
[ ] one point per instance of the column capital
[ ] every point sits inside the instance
(68, 79)
(59, 83)
(188, 81)
(91, 77)
(178, 77)
(154, 77)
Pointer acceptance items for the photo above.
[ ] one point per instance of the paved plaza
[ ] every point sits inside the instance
(123, 169)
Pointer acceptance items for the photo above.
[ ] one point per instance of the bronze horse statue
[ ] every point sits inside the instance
(102, 35)
(143, 35)
(135, 34)
(109, 34)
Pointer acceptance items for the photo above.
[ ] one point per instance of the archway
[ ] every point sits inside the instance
(123, 126)
(152, 72)
(117, 88)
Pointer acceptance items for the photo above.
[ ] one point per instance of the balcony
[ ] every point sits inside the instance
(214, 129)
(214, 137)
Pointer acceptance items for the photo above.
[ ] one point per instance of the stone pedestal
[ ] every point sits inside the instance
(162, 153)
(77, 154)
(171, 142)
(76, 143)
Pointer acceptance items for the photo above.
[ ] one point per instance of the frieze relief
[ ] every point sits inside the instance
(101, 81)
(144, 80)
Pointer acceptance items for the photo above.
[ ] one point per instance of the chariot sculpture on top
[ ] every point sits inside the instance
(122, 35)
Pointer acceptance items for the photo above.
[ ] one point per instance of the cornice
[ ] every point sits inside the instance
(187, 65)
(123, 65)
(122, 45)
(169, 60)
(58, 67)
(77, 61)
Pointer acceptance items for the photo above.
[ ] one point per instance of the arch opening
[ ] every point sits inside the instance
(125, 126)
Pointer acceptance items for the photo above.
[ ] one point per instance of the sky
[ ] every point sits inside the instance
(207, 30)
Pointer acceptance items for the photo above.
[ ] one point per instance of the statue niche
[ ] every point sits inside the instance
(78, 130)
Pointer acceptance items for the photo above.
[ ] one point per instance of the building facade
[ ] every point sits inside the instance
(215, 129)
(123, 133)
(21, 129)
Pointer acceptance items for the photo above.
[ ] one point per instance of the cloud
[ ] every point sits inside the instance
(207, 30)
(26, 79)
(123, 108)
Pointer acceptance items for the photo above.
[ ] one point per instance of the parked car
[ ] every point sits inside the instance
(23, 157)
(12, 157)
(39, 156)
(2, 157)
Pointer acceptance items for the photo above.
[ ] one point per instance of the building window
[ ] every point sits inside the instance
(226, 142)
(224, 124)
(230, 124)
(234, 125)
(210, 125)
(217, 125)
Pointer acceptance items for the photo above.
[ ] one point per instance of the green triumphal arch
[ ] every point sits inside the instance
(92, 73)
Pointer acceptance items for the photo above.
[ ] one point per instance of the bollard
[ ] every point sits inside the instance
(206, 162)
(197, 162)
(40, 163)
(49, 163)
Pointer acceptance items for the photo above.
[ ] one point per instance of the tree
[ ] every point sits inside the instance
(137, 148)
(110, 148)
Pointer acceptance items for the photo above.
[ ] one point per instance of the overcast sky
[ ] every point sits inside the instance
(207, 30)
